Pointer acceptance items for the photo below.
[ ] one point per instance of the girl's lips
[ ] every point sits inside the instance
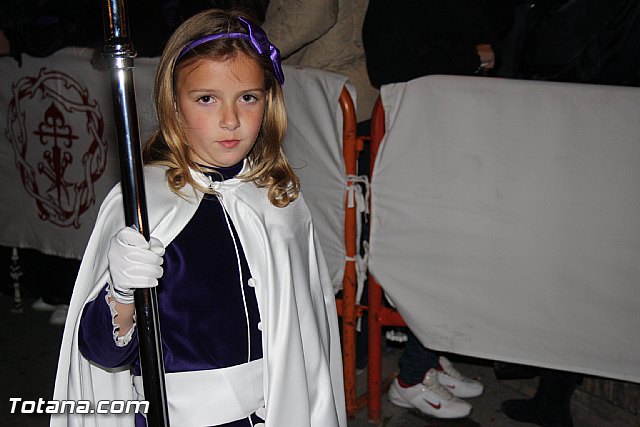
(229, 143)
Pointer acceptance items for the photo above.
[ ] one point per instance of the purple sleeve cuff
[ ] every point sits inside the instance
(96, 336)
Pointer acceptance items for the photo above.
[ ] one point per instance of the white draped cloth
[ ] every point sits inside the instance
(313, 145)
(506, 220)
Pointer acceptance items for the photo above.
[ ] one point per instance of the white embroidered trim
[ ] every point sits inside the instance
(121, 341)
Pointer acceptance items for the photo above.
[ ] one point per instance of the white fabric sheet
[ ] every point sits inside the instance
(506, 220)
(52, 204)
(313, 145)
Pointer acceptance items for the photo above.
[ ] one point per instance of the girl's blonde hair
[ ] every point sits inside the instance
(168, 146)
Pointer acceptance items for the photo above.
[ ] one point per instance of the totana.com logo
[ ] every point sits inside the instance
(41, 406)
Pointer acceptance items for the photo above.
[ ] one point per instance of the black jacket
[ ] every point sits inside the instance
(406, 39)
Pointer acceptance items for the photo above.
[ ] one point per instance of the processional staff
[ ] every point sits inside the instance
(119, 54)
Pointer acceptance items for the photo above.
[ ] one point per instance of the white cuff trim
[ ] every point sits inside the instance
(121, 341)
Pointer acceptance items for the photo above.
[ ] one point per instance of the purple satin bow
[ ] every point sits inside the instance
(256, 36)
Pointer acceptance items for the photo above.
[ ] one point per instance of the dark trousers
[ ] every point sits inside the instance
(47, 276)
(415, 361)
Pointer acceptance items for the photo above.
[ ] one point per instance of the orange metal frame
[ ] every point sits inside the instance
(379, 315)
(347, 307)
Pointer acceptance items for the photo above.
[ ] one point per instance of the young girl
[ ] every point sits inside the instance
(248, 318)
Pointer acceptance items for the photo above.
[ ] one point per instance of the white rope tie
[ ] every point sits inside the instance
(356, 198)
(354, 192)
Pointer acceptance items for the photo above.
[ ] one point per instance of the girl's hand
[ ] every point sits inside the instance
(134, 263)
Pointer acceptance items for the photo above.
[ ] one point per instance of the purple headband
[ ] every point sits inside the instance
(256, 36)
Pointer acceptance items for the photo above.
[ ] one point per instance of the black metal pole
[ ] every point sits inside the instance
(119, 54)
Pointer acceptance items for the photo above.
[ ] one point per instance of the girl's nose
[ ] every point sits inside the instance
(229, 119)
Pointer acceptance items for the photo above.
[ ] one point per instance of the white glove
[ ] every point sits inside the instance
(134, 263)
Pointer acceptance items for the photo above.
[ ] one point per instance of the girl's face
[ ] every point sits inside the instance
(222, 104)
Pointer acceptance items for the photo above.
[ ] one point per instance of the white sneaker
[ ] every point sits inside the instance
(430, 398)
(455, 382)
(59, 316)
(40, 305)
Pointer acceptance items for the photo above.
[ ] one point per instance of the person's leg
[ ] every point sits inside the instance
(6, 283)
(551, 405)
(362, 357)
(55, 277)
(31, 262)
(415, 361)
(417, 385)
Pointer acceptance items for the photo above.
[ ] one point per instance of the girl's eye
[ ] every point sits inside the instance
(206, 99)
(248, 98)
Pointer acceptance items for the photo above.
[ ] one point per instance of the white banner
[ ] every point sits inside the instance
(57, 148)
(506, 220)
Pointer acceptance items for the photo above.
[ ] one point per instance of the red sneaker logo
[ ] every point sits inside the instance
(433, 405)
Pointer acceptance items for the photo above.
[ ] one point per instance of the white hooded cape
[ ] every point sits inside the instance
(302, 381)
